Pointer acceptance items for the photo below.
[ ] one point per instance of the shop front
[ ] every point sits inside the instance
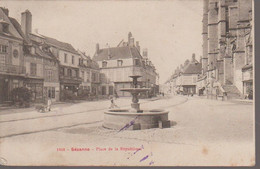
(7, 84)
(69, 88)
(51, 91)
(36, 87)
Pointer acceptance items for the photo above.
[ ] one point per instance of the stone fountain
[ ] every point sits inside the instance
(135, 118)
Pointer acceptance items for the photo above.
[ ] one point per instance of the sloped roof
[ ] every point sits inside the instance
(13, 32)
(62, 45)
(117, 53)
(44, 54)
(92, 64)
(18, 28)
(192, 68)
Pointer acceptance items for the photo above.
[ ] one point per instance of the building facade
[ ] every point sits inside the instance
(12, 69)
(41, 65)
(184, 79)
(90, 74)
(68, 59)
(227, 48)
(118, 63)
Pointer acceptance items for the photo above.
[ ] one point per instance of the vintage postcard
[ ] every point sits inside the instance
(127, 83)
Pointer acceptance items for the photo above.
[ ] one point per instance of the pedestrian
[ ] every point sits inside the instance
(113, 105)
(49, 105)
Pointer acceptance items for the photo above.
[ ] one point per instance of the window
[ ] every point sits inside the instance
(51, 92)
(33, 69)
(6, 28)
(73, 73)
(137, 62)
(111, 90)
(2, 59)
(88, 76)
(62, 71)
(227, 19)
(82, 75)
(65, 58)
(104, 64)
(49, 75)
(33, 50)
(103, 90)
(250, 54)
(3, 48)
(72, 59)
(93, 77)
(69, 72)
(119, 63)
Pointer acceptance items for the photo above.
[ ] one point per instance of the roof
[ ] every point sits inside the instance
(192, 68)
(18, 28)
(91, 63)
(123, 52)
(45, 54)
(62, 45)
(13, 26)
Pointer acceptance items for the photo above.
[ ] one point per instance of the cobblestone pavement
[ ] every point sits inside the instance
(205, 132)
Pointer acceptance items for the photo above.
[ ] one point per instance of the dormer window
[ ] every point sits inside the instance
(6, 28)
(15, 53)
(104, 64)
(137, 62)
(33, 50)
(120, 63)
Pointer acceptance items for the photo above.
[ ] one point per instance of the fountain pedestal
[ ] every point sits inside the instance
(135, 118)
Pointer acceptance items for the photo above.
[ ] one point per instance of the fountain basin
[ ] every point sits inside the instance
(123, 119)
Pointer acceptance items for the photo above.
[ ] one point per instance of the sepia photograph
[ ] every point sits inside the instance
(127, 83)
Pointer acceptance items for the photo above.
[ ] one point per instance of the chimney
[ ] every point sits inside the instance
(97, 48)
(26, 22)
(132, 42)
(145, 53)
(108, 52)
(129, 37)
(193, 57)
(5, 10)
(137, 46)
(186, 62)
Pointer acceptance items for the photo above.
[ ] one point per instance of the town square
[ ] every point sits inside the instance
(89, 83)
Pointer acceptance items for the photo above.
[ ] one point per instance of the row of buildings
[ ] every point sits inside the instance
(51, 68)
(227, 50)
(185, 77)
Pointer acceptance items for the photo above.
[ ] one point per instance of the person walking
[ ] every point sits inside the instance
(49, 104)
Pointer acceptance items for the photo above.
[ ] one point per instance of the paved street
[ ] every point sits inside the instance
(204, 132)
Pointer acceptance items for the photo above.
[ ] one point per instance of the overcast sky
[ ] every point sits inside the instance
(171, 30)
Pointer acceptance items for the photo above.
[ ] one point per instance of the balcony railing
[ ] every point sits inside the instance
(13, 69)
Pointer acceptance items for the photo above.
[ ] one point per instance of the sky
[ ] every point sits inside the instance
(169, 29)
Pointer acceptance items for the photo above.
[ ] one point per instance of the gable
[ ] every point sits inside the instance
(12, 30)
